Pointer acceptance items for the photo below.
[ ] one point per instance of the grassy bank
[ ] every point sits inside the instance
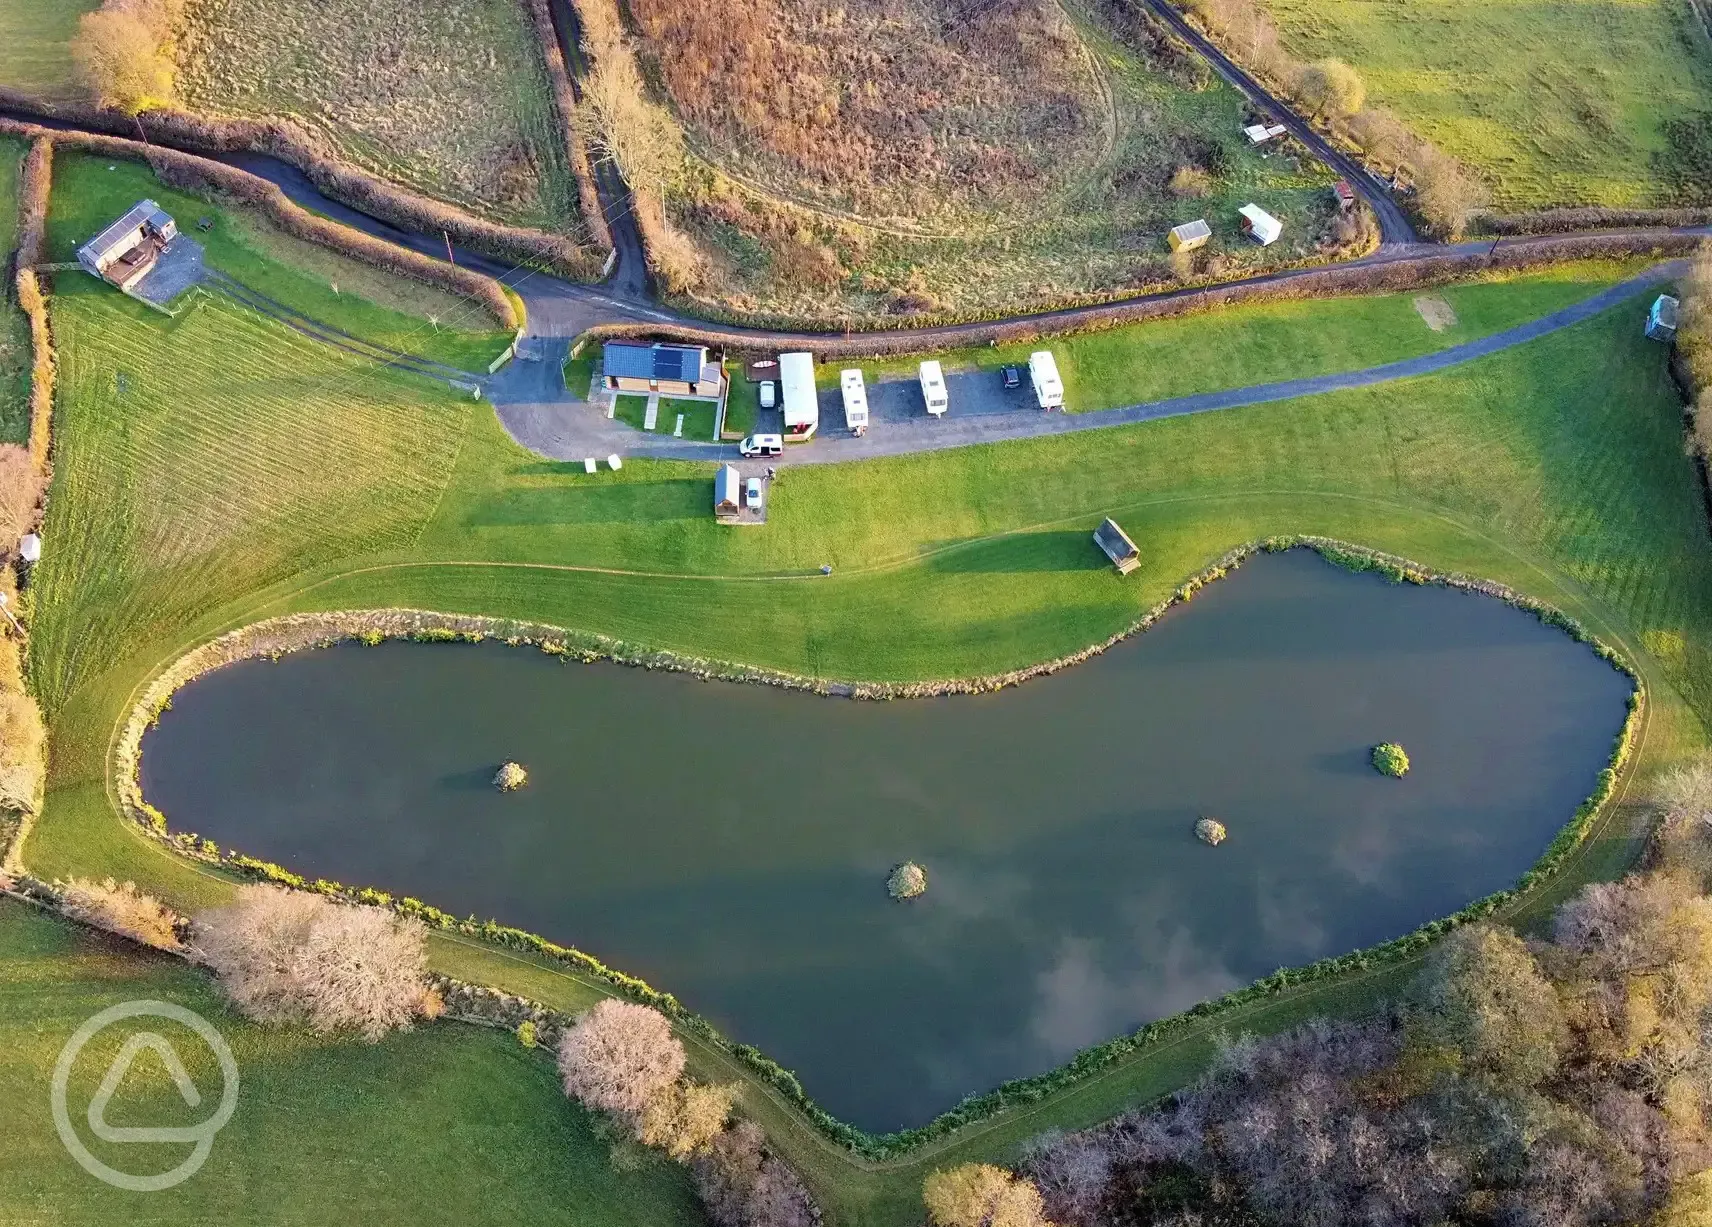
(479, 1125)
(450, 98)
(89, 192)
(239, 471)
(35, 40)
(14, 327)
(1553, 107)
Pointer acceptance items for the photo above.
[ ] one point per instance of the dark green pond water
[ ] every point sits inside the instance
(731, 843)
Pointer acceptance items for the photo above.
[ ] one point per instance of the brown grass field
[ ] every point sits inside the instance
(1030, 155)
(450, 98)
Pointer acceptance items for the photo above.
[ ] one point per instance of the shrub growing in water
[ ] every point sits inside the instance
(1390, 759)
(510, 777)
(286, 956)
(1211, 831)
(907, 881)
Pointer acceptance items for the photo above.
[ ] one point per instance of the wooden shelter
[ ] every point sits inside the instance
(1189, 235)
(1117, 546)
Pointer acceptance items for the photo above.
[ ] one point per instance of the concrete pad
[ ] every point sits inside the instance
(178, 268)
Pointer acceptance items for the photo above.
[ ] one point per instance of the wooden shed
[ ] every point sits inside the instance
(1661, 320)
(1345, 195)
(1189, 235)
(1117, 546)
(727, 492)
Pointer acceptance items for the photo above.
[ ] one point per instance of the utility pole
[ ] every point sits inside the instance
(450, 258)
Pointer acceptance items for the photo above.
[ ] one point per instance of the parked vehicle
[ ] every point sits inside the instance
(1043, 374)
(796, 389)
(1012, 378)
(769, 394)
(753, 495)
(762, 445)
(933, 392)
(855, 395)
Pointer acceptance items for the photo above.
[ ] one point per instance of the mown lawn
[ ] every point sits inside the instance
(237, 471)
(1554, 105)
(35, 37)
(89, 192)
(14, 328)
(449, 1124)
(1275, 341)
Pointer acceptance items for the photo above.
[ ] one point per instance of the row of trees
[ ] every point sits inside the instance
(1557, 1082)
(622, 1059)
(1329, 89)
(124, 52)
(1694, 344)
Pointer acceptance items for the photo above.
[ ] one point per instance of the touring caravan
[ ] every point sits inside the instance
(796, 386)
(855, 400)
(933, 389)
(1043, 374)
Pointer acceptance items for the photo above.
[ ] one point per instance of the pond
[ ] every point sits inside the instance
(731, 843)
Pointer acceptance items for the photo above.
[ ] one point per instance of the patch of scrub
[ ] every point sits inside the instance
(1438, 313)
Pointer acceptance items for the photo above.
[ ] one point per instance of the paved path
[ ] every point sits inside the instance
(538, 416)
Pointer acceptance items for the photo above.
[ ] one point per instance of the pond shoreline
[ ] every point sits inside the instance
(274, 637)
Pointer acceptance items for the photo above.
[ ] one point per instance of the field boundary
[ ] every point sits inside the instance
(294, 632)
(208, 137)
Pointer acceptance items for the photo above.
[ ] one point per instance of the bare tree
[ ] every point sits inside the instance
(290, 956)
(1484, 995)
(1332, 88)
(743, 1185)
(120, 61)
(1444, 192)
(684, 1119)
(981, 1195)
(122, 908)
(618, 1056)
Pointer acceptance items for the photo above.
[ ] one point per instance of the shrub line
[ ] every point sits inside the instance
(34, 186)
(294, 632)
(576, 149)
(890, 336)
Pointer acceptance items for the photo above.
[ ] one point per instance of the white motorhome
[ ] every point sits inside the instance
(1043, 374)
(796, 387)
(855, 400)
(933, 389)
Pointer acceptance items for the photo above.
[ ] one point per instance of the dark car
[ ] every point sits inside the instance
(1012, 377)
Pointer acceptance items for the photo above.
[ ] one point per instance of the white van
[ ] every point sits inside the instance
(1043, 374)
(762, 445)
(933, 389)
(855, 400)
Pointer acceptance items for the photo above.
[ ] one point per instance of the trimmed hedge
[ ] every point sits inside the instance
(897, 337)
(1089, 1061)
(186, 170)
(35, 183)
(1558, 221)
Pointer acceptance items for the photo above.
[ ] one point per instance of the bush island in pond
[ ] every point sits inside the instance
(510, 777)
(907, 881)
(1210, 831)
(1389, 759)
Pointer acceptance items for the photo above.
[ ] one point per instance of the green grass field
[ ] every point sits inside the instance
(89, 192)
(14, 328)
(446, 1124)
(1553, 106)
(214, 469)
(35, 37)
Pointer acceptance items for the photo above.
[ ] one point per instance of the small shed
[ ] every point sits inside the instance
(1345, 195)
(1661, 320)
(30, 548)
(727, 492)
(1260, 225)
(1260, 134)
(1117, 546)
(1189, 235)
